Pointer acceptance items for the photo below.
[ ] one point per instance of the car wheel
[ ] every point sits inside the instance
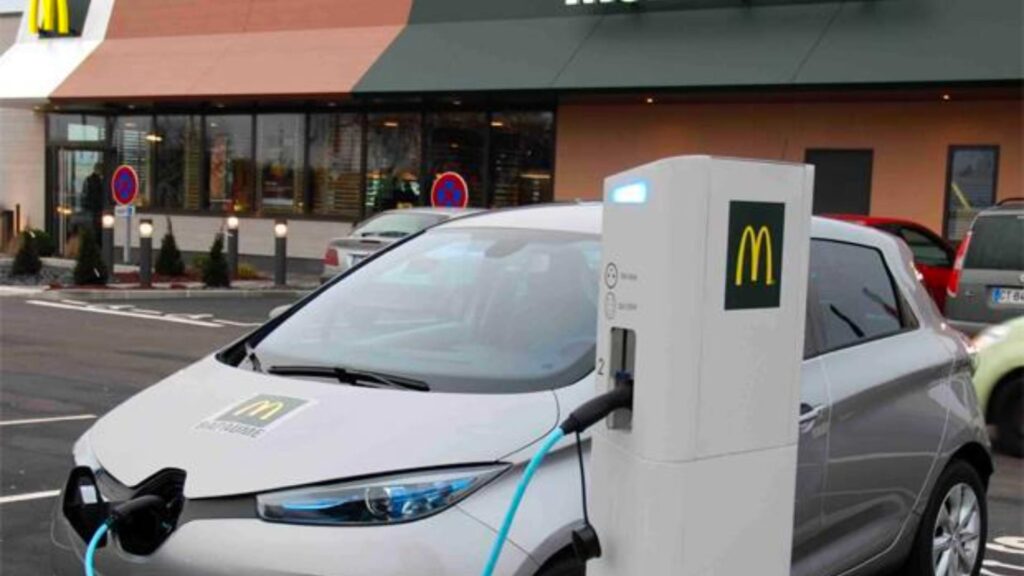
(563, 564)
(951, 538)
(1010, 422)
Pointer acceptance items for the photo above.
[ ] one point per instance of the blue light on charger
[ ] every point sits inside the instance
(635, 193)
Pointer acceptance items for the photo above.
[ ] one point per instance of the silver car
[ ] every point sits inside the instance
(378, 232)
(987, 283)
(378, 427)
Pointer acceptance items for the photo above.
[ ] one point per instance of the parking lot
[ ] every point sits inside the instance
(63, 363)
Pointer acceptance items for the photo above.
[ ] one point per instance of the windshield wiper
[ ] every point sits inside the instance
(353, 377)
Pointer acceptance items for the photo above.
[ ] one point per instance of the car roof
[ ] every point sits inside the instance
(1003, 207)
(449, 212)
(586, 218)
(874, 220)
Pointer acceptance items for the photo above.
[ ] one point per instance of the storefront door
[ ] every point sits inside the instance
(79, 195)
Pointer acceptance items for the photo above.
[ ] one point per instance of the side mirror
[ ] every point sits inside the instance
(275, 312)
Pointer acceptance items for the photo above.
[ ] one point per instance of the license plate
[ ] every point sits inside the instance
(1008, 296)
(354, 259)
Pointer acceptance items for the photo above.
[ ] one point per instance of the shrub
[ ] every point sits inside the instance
(26, 261)
(247, 271)
(168, 261)
(89, 269)
(198, 264)
(44, 243)
(215, 269)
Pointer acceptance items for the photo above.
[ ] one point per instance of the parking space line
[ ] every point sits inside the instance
(30, 496)
(48, 420)
(239, 324)
(173, 319)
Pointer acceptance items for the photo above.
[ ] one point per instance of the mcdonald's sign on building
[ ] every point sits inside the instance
(753, 274)
(56, 17)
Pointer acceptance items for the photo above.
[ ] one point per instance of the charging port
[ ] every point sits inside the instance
(623, 364)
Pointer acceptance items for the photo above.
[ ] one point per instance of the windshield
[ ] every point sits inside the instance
(397, 224)
(463, 310)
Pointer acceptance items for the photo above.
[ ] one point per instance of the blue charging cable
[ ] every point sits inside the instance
(531, 468)
(90, 552)
(582, 418)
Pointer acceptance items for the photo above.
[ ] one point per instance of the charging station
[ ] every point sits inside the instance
(704, 297)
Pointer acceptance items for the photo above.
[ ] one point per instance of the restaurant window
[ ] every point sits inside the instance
(456, 142)
(71, 128)
(970, 187)
(522, 155)
(393, 162)
(133, 137)
(279, 152)
(179, 155)
(229, 163)
(335, 164)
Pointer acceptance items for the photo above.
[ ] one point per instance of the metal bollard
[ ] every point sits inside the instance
(280, 253)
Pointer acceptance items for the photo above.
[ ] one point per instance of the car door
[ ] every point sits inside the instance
(885, 424)
(811, 456)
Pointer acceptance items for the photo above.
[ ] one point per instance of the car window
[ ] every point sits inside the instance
(997, 243)
(464, 310)
(853, 294)
(397, 224)
(927, 250)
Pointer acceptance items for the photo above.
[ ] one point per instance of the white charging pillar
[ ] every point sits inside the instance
(704, 297)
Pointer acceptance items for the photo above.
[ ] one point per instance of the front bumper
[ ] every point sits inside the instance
(448, 544)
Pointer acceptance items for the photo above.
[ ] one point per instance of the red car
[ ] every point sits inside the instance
(933, 256)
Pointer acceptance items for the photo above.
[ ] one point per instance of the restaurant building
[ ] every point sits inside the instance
(326, 112)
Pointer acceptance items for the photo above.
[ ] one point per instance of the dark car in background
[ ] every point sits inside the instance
(987, 283)
(380, 231)
(933, 256)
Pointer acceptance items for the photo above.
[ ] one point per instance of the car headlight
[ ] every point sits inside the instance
(990, 336)
(386, 500)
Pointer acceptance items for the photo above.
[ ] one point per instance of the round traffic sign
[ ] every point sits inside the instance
(449, 191)
(124, 185)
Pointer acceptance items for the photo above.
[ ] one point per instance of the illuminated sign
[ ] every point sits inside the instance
(49, 16)
(635, 193)
(753, 275)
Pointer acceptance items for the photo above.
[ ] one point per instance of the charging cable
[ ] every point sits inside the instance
(117, 514)
(582, 418)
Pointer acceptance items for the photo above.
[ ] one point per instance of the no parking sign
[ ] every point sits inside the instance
(124, 185)
(449, 191)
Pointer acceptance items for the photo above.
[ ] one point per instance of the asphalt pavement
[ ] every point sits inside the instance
(64, 362)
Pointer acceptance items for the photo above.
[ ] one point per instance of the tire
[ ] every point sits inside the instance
(563, 564)
(956, 481)
(1010, 420)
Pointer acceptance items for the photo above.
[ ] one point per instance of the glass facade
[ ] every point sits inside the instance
(346, 165)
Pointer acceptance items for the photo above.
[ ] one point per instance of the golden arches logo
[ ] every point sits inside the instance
(262, 409)
(757, 240)
(54, 16)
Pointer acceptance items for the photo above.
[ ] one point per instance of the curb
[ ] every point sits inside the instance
(170, 294)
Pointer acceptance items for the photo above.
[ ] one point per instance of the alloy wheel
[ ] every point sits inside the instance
(956, 540)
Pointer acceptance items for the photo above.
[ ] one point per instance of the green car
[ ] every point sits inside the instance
(999, 382)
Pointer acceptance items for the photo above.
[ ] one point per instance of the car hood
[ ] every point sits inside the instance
(237, 432)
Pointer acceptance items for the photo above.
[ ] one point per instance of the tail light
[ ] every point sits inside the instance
(331, 257)
(958, 266)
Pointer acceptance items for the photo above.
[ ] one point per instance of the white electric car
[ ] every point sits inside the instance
(378, 428)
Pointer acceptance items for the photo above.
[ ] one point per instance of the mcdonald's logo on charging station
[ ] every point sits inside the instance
(49, 17)
(754, 269)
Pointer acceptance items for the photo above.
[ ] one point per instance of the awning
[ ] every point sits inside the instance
(802, 43)
(251, 64)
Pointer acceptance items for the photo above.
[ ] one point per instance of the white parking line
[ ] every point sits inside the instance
(173, 319)
(48, 420)
(27, 497)
(240, 324)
